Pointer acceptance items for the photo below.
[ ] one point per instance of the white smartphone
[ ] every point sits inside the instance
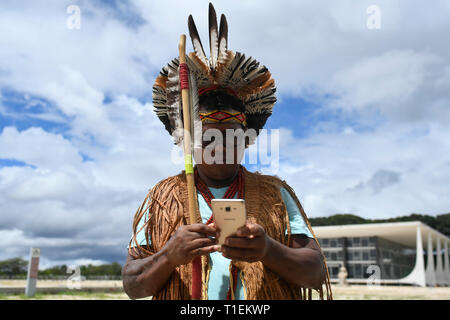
(229, 215)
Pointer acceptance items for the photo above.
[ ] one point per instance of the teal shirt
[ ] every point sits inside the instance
(219, 278)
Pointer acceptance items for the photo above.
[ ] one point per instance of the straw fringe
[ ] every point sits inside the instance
(241, 276)
(230, 268)
(206, 270)
(327, 282)
(166, 205)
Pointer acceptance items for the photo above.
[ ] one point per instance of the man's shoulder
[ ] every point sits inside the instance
(274, 181)
(267, 178)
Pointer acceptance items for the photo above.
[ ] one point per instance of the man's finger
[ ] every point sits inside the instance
(202, 228)
(201, 242)
(250, 229)
(213, 225)
(246, 259)
(241, 242)
(205, 250)
(197, 235)
(237, 253)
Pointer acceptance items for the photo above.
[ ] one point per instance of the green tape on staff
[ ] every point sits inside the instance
(188, 164)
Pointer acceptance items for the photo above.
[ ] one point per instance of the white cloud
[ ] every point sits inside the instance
(38, 147)
(380, 180)
(322, 51)
(89, 204)
(401, 84)
(391, 171)
(390, 78)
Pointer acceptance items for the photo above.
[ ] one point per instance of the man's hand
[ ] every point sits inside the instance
(249, 243)
(188, 242)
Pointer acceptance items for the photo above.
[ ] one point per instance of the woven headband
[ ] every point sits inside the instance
(224, 116)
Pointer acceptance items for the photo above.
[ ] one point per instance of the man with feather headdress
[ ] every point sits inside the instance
(275, 255)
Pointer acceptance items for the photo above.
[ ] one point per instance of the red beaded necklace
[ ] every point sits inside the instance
(237, 186)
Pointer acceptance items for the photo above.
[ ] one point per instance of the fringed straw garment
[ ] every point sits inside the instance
(167, 204)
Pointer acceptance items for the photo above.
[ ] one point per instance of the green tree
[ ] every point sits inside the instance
(14, 267)
(113, 269)
(443, 221)
(337, 219)
(54, 271)
(440, 222)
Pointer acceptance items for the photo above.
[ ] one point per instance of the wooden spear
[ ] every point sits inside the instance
(189, 170)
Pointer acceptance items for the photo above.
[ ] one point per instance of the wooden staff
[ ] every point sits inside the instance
(184, 86)
(187, 125)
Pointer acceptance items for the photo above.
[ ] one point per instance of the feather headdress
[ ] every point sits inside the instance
(244, 76)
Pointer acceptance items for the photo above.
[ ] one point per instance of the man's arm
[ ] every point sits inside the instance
(300, 264)
(145, 277)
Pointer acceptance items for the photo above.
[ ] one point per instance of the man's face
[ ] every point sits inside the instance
(220, 156)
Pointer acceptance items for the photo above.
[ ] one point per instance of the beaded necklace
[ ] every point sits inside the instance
(237, 186)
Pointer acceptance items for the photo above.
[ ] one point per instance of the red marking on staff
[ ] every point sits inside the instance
(197, 278)
(184, 79)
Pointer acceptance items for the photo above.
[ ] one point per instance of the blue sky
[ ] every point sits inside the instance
(362, 114)
(23, 111)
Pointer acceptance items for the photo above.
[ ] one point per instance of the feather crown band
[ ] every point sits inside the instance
(217, 88)
(223, 116)
(239, 76)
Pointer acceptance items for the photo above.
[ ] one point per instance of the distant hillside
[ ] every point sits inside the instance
(440, 222)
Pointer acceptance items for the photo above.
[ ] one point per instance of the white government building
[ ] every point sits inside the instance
(410, 253)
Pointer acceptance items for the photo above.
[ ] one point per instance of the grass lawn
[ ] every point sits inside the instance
(352, 292)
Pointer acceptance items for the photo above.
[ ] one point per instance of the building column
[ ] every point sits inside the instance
(440, 276)
(446, 263)
(429, 272)
(417, 275)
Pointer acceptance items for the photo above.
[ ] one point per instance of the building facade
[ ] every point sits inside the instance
(357, 254)
(395, 253)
